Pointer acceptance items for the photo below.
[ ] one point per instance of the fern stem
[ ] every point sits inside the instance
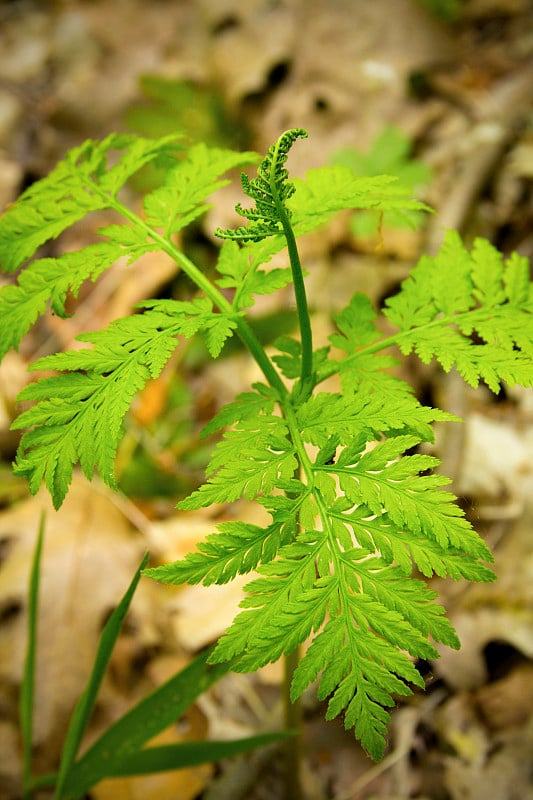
(301, 305)
(293, 722)
(394, 340)
(306, 336)
(246, 334)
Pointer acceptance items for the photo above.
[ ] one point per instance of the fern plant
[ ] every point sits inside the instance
(358, 515)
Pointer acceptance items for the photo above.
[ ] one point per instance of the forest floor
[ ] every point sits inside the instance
(444, 100)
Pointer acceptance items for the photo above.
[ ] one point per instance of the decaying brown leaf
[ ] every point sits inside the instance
(89, 557)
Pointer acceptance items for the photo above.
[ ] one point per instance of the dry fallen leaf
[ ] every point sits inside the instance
(203, 613)
(495, 612)
(508, 702)
(9, 759)
(89, 557)
(348, 71)
(498, 459)
(504, 775)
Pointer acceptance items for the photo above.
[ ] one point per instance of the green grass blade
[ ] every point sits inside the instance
(151, 715)
(189, 754)
(28, 676)
(179, 756)
(84, 707)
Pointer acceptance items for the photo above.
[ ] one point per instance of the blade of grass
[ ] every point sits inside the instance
(28, 676)
(84, 706)
(190, 754)
(178, 756)
(152, 714)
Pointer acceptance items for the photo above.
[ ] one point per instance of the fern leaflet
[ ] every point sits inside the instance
(236, 548)
(180, 199)
(448, 299)
(78, 414)
(48, 280)
(239, 267)
(327, 190)
(252, 459)
(66, 195)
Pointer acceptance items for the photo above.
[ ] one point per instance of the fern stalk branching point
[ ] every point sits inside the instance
(357, 512)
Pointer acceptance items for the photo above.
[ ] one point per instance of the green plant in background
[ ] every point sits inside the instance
(388, 155)
(177, 105)
(447, 10)
(160, 455)
(354, 508)
(120, 750)
(197, 111)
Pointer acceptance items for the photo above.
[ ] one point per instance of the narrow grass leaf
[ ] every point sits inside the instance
(189, 754)
(28, 676)
(84, 707)
(150, 716)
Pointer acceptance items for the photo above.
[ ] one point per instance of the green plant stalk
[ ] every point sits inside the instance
(396, 339)
(293, 709)
(28, 680)
(292, 748)
(293, 714)
(307, 379)
(306, 336)
(244, 331)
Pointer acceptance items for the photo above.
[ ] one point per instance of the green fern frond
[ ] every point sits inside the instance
(369, 516)
(270, 190)
(86, 181)
(403, 548)
(247, 405)
(275, 610)
(365, 371)
(239, 267)
(458, 295)
(66, 195)
(197, 316)
(355, 324)
(310, 203)
(326, 190)
(77, 416)
(236, 548)
(181, 198)
(359, 653)
(348, 417)
(290, 362)
(360, 672)
(354, 508)
(45, 282)
(252, 459)
(382, 481)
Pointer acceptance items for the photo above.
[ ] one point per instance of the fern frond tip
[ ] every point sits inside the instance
(270, 190)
